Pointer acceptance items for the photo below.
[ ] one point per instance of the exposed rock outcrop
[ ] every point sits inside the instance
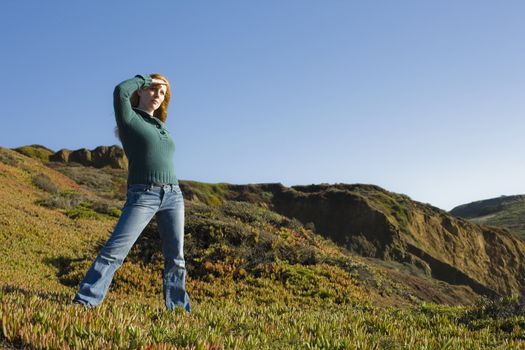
(112, 156)
(109, 156)
(82, 156)
(60, 156)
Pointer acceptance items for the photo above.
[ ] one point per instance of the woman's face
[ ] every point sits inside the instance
(151, 97)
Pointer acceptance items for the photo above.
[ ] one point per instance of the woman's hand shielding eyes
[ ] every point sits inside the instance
(156, 81)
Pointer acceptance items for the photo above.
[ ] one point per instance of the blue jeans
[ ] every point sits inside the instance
(143, 202)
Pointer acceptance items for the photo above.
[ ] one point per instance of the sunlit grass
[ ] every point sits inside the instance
(49, 320)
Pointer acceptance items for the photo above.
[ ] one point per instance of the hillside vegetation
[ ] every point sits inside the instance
(258, 277)
(506, 211)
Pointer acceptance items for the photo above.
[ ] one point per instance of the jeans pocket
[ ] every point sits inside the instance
(177, 190)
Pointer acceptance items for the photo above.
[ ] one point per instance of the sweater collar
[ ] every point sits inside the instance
(147, 115)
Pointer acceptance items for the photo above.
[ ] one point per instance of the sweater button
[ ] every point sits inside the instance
(158, 126)
(163, 132)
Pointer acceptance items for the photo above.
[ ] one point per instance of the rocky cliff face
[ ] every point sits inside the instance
(389, 226)
(101, 156)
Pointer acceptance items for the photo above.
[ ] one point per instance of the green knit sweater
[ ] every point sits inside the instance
(147, 143)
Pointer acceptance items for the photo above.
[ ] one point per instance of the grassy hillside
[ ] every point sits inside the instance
(256, 279)
(505, 211)
(35, 151)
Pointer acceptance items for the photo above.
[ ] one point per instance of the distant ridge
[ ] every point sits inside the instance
(101, 156)
(504, 211)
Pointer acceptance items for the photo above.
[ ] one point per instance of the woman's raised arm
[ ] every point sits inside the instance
(121, 97)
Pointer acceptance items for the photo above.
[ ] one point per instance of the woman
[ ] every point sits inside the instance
(141, 105)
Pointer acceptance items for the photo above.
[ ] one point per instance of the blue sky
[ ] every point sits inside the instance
(424, 98)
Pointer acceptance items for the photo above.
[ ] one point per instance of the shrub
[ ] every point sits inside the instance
(105, 207)
(43, 182)
(105, 182)
(82, 211)
(359, 244)
(496, 308)
(62, 200)
(7, 158)
(79, 206)
(211, 194)
(506, 314)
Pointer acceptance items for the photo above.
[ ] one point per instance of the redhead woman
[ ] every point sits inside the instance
(141, 105)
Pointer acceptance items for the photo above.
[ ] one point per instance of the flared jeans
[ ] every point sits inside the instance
(143, 202)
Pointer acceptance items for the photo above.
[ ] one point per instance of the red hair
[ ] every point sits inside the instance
(161, 112)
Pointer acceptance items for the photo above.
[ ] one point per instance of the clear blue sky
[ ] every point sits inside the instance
(419, 97)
